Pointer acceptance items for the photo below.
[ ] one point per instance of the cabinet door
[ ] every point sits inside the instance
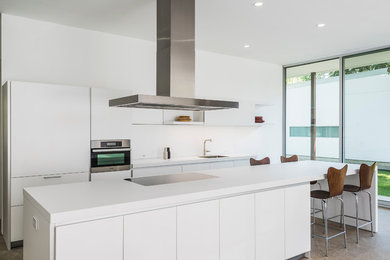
(109, 122)
(198, 231)
(16, 223)
(18, 184)
(153, 171)
(50, 127)
(237, 228)
(221, 165)
(150, 235)
(270, 225)
(97, 240)
(196, 167)
(241, 163)
(105, 176)
(297, 220)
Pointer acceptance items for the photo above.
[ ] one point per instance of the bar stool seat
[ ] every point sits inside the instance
(351, 188)
(320, 194)
(313, 182)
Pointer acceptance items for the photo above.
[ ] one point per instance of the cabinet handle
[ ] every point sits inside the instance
(52, 177)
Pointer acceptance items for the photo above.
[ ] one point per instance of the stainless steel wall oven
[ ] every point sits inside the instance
(110, 155)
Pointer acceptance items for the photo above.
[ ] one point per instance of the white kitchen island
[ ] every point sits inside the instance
(260, 212)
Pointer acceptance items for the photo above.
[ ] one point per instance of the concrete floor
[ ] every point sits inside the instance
(369, 248)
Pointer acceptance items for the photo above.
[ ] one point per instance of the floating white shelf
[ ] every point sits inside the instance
(184, 123)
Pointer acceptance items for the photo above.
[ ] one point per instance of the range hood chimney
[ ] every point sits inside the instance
(175, 63)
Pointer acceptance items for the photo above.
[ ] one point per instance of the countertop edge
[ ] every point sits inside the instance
(138, 163)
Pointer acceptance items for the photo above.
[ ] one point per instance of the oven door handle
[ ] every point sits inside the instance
(111, 150)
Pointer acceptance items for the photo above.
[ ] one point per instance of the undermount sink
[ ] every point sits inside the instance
(213, 156)
(169, 178)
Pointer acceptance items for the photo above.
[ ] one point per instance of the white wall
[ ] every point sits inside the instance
(46, 52)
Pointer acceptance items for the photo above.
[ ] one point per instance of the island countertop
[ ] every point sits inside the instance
(68, 203)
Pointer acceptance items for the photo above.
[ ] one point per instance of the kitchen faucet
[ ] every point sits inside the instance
(204, 146)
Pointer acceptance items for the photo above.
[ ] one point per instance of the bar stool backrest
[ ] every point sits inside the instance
(336, 180)
(263, 161)
(365, 174)
(293, 158)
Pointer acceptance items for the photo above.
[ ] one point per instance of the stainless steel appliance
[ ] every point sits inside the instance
(170, 178)
(110, 155)
(175, 63)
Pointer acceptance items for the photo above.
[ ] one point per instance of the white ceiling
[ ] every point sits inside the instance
(281, 31)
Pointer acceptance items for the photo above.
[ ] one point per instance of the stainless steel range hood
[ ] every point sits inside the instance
(175, 63)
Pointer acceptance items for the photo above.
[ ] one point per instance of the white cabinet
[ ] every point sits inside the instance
(270, 225)
(196, 167)
(50, 129)
(18, 184)
(237, 228)
(97, 240)
(198, 231)
(150, 235)
(105, 176)
(241, 163)
(46, 141)
(297, 220)
(16, 223)
(109, 122)
(153, 171)
(221, 165)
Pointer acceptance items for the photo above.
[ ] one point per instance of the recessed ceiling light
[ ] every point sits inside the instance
(247, 46)
(320, 25)
(258, 4)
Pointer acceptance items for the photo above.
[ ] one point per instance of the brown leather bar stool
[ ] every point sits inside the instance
(365, 175)
(263, 161)
(336, 180)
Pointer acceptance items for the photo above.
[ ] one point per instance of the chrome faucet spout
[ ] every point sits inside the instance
(204, 146)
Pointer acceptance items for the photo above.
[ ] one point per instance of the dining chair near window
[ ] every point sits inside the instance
(254, 162)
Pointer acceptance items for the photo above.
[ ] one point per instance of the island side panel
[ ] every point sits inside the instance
(38, 241)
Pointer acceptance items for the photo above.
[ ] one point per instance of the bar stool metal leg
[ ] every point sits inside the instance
(314, 218)
(342, 210)
(325, 207)
(343, 221)
(372, 224)
(357, 216)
